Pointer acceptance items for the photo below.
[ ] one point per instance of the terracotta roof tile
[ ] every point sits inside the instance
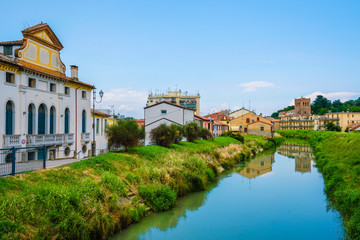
(15, 42)
(37, 26)
(7, 59)
(99, 113)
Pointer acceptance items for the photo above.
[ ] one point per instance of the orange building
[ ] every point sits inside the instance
(252, 123)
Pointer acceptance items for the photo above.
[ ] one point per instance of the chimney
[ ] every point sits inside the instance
(74, 71)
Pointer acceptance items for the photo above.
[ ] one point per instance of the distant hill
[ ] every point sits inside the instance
(322, 105)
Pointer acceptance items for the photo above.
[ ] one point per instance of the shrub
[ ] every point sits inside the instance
(331, 127)
(165, 135)
(158, 197)
(192, 131)
(205, 134)
(126, 133)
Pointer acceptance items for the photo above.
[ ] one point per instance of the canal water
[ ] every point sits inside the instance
(275, 196)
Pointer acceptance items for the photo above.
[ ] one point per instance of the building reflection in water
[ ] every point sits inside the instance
(258, 166)
(302, 154)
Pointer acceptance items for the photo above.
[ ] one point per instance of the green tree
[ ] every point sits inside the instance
(332, 127)
(126, 133)
(192, 131)
(319, 103)
(205, 134)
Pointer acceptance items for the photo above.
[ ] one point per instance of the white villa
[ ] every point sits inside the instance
(39, 104)
(168, 113)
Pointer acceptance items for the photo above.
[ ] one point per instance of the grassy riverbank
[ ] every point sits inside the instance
(337, 156)
(97, 197)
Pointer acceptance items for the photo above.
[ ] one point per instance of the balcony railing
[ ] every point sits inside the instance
(12, 141)
(50, 139)
(85, 137)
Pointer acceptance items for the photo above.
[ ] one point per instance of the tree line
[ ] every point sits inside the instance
(322, 105)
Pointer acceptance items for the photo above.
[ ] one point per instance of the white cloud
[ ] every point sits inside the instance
(343, 96)
(252, 86)
(125, 101)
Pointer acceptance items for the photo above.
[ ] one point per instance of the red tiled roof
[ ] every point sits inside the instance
(7, 59)
(15, 42)
(37, 26)
(220, 123)
(353, 127)
(99, 113)
(202, 118)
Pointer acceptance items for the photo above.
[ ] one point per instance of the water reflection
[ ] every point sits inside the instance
(164, 220)
(282, 203)
(258, 166)
(302, 154)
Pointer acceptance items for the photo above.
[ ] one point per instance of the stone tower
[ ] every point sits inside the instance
(303, 106)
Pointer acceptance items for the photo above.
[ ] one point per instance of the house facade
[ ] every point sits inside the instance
(165, 112)
(101, 124)
(40, 105)
(315, 122)
(251, 123)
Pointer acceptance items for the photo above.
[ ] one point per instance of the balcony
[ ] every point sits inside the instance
(12, 141)
(85, 137)
(50, 139)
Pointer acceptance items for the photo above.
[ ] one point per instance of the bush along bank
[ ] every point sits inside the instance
(97, 197)
(337, 156)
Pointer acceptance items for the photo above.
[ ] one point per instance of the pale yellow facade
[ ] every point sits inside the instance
(315, 122)
(251, 123)
(176, 97)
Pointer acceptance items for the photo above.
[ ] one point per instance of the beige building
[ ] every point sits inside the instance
(258, 166)
(178, 98)
(239, 113)
(316, 122)
(251, 123)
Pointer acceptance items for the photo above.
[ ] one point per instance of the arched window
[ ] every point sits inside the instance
(83, 121)
(9, 118)
(66, 119)
(31, 119)
(52, 120)
(42, 119)
(247, 120)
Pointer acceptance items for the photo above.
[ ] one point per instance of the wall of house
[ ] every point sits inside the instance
(155, 115)
(22, 96)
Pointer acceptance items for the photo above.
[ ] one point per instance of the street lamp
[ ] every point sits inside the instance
(93, 144)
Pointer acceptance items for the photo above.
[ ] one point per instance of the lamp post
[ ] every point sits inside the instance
(93, 144)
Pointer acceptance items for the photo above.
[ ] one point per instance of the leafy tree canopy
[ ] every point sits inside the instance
(322, 105)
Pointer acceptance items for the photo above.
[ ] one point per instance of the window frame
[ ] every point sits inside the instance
(8, 50)
(67, 91)
(12, 77)
(52, 87)
(31, 80)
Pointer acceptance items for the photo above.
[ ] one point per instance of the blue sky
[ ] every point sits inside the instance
(232, 52)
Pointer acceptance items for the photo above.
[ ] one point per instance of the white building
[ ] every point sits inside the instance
(168, 113)
(39, 104)
(101, 124)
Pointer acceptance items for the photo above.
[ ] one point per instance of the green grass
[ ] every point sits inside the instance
(96, 197)
(337, 156)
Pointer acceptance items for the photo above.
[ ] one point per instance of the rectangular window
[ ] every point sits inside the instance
(163, 111)
(52, 87)
(83, 94)
(97, 126)
(8, 50)
(67, 91)
(102, 126)
(32, 82)
(10, 77)
(262, 129)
